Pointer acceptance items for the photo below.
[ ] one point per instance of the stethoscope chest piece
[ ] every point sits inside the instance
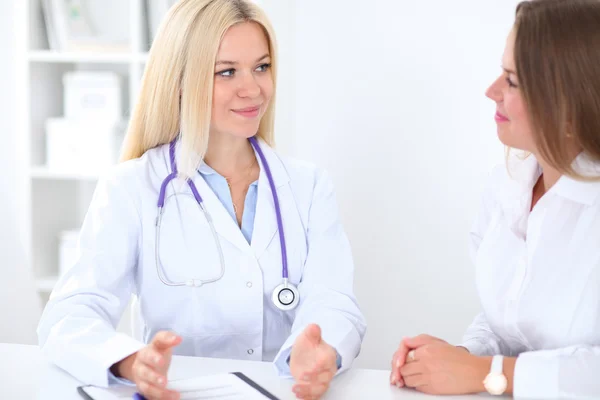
(286, 296)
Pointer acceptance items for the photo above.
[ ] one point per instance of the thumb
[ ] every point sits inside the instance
(164, 340)
(313, 333)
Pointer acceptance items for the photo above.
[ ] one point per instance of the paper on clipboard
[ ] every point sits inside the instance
(235, 386)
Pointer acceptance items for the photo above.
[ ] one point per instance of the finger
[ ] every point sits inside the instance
(309, 390)
(318, 390)
(144, 372)
(164, 340)
(313, 334)
(411, 369)
(151, 356)
(325, 377)
(400, 359)
(152, 392)
(325, 361)
(301, 390)
(411, 356)
(307, 376)
(414, 381)
(421, 340)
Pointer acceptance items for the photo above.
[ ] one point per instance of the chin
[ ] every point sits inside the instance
(244, 133)
(506, 138)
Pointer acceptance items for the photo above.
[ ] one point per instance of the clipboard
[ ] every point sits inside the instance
(243, 383)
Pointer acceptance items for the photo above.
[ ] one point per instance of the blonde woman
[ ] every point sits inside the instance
(228, 249)
(536, 242)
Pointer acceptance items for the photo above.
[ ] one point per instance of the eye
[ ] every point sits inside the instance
(510, 83)
(263, 67)
(226, 73)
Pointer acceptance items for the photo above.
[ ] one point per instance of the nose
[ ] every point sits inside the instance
(494, 92)
(249, 87)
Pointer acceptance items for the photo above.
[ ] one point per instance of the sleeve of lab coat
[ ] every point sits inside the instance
(77, 330)
(479, 338)
(326, 290)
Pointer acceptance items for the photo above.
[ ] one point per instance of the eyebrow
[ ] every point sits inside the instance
(509, 71)
(223, 62)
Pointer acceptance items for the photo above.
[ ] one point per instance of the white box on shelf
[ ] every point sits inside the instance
(92, 94)
(67, 253)
(83, 146)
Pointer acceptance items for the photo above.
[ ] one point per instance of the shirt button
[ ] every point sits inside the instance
(250, 351)
(249, 284)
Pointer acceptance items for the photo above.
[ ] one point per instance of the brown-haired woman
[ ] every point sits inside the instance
(536, 241)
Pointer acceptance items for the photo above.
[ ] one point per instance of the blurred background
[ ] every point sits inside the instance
(387, 95)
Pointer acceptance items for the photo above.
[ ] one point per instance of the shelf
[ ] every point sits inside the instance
(46, 173)
(46, 285)
(47, 56)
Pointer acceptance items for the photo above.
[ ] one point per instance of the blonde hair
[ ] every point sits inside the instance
(176, 92)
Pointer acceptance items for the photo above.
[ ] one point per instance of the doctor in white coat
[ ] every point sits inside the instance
(265, 274)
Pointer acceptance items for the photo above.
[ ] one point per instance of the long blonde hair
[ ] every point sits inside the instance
(176, 92)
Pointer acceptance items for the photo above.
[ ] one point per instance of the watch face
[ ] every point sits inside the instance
(495, 384)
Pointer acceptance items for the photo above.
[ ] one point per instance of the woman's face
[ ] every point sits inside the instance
(243, 84)
(512, 116)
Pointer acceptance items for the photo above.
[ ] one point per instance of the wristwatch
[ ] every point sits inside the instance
(495, 382)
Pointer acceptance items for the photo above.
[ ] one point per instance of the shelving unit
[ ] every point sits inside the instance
(58, 199)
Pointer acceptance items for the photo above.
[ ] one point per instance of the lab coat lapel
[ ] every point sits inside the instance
(225, 226)
(265, 220)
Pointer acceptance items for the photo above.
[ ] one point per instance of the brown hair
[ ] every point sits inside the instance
(557, 57)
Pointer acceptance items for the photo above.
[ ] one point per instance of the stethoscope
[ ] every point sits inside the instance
(285, 296)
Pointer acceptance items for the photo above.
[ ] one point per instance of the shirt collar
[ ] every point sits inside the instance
(524, 172)
(206, 169)
(584, 192)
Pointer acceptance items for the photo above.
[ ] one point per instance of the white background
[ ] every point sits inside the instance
(19, 304)
(388, 96)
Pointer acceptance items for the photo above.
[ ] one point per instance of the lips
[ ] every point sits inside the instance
(500, 117)
(248, 109)
(248, 112)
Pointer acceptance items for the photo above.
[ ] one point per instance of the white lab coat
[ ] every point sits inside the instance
(232, 318)
(538, 279)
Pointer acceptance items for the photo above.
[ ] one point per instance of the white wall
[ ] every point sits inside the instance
(19, 303)
(389, 97)
(281, 14)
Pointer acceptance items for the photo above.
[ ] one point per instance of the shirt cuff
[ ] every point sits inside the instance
(113, 380)
(536, 376)
(338, 360)
(478, 348)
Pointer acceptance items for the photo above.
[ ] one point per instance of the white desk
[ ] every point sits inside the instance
(25, 374)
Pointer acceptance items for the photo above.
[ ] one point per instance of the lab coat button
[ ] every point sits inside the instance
(249, 284)
(250, 351)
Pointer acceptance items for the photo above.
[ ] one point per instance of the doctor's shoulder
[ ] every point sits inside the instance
(131, 177)
(305, 177)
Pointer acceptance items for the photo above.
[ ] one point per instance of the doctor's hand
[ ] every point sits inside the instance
(399, 358)
(312, 364)
(148, 367)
